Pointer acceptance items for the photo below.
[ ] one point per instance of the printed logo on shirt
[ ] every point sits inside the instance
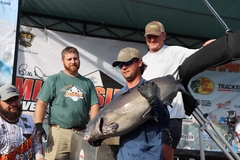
(74, 93)
(24, 151)
(202, 85)
(3, 129)
(25, 121)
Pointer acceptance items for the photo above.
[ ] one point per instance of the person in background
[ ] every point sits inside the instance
(163, 60)
(70, 97)
(144, 142)
(18, 136)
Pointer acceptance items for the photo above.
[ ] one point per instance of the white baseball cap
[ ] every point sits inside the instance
(8, 91)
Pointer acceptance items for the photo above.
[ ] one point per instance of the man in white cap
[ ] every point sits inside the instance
(18, 138)
(143, 143)
(163, 60)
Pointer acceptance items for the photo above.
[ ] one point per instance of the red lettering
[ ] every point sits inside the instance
(108, 96)
(219, 105)
(116, 90)
(212, 69)
(25, 89)
(100, 92)
(37, 87)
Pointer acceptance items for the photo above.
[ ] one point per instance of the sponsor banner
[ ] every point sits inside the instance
(8, 27)
(217, 91)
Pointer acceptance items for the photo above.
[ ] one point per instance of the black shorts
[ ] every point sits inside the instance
(172, 134)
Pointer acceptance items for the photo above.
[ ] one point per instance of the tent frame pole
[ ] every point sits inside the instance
(217, 16)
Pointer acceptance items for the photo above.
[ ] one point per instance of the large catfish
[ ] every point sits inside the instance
(130, 110)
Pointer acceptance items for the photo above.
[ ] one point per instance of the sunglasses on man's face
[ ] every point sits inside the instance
(128, 63)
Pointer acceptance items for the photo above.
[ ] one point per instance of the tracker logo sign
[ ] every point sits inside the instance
(228, 88)
(202, 86)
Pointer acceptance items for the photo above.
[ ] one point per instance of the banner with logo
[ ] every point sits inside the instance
(8, 27)
(217, 91)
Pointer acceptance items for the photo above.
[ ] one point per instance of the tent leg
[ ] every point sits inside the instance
(202, 155)
(206, 123)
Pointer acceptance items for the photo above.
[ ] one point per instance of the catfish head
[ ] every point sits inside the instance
(99, 128)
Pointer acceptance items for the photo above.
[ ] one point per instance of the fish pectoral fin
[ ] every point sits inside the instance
(146, 113)
(112, 127)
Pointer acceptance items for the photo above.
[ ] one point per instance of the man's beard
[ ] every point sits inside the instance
(12, 116)
(71, 69)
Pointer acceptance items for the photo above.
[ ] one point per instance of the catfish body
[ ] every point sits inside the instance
(129, 110)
